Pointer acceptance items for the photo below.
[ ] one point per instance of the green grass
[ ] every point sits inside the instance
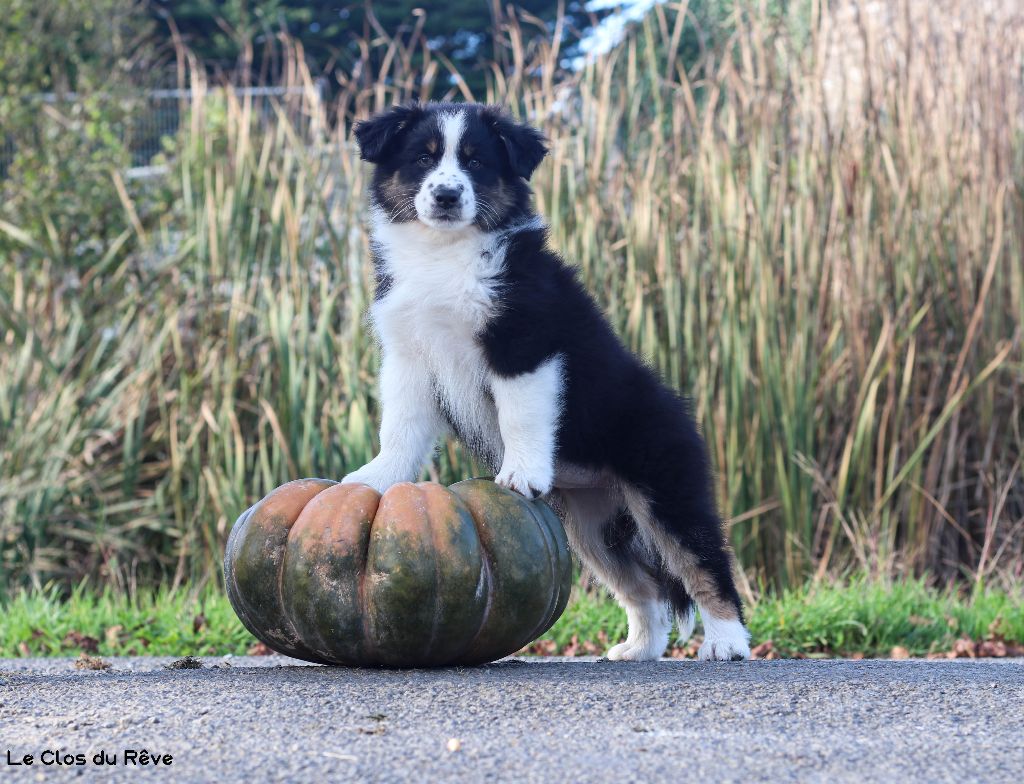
(859, 617)
(872, 618)
(152, 623)
(838, 619)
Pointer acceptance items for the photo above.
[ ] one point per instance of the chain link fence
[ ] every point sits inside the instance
(156, 115)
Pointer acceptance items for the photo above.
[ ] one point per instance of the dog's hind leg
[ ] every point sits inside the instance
(683, 606)
(604, 535)
(685, 530)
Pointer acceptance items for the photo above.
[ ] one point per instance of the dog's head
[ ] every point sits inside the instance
(450, 165)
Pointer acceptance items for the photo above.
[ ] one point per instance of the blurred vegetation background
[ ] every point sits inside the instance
(807, 215)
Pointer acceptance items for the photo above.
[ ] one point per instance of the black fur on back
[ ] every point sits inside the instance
(617, 414)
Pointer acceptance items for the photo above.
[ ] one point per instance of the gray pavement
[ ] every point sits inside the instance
(273, 719)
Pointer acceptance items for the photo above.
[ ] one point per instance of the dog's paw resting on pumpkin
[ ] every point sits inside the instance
(529, 481)
(378, 474)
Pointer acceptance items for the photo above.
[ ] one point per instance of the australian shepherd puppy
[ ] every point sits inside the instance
(486, 333)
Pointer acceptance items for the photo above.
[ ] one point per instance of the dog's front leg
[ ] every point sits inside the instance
(410, 424)
(529, 405)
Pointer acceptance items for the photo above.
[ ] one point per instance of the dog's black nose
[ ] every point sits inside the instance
(447, 197)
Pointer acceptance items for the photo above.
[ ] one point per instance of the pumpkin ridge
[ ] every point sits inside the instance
(364, 615)
(435, 622)
(283, 571)
(281, 510)
(229, 566)
(561, 553)
(336, 514)
(487, 576)
(550, 548)
(282, 567)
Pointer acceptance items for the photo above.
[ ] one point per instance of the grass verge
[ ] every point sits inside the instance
(852, 619)
(861, 617)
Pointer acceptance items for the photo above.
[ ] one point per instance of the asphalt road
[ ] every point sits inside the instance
(270, 719)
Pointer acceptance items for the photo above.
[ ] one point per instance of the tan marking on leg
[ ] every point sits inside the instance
(585, 511)
(699, 582)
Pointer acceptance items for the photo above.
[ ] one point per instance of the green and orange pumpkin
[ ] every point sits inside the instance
(422, 576)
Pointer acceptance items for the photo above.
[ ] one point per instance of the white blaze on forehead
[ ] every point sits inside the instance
(448, 174)
(453, 125)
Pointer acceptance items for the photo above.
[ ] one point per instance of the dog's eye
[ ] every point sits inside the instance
(425, 160)
(474, 163)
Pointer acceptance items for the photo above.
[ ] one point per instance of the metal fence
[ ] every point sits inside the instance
(154, 116)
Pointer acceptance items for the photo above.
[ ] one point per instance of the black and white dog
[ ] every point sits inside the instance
(485, 332)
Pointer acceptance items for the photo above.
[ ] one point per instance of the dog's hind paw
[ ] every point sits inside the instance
(724, 641)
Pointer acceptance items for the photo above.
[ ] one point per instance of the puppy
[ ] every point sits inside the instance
(486, 333)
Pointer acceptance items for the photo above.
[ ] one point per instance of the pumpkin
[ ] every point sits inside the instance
(422, 576)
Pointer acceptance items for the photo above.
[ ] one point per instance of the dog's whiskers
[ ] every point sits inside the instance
(399, 212)
(490, 214)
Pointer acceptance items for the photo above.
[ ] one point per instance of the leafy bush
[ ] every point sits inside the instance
(69, 68)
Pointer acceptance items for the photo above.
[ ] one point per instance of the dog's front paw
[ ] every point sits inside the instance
(373, 475)
(529, 483)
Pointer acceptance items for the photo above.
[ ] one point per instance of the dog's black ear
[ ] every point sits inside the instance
(525, 146)
(377, 134)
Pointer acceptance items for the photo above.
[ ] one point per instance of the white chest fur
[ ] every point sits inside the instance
(442, 294)
(448, 277)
